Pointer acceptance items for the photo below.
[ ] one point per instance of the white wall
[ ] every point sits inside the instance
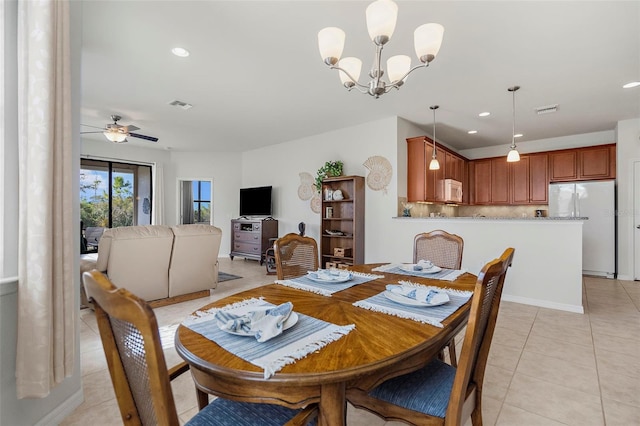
(280, 165)
(64, 398)
(225, 169)
(628, 152)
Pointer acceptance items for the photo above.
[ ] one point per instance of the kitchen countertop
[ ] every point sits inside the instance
(494, 218)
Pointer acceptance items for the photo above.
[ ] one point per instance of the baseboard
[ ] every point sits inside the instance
(543, 303)
(63, 410)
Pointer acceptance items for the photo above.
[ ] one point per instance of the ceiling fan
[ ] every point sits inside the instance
(118, 133)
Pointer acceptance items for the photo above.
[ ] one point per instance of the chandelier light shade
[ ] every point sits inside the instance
(434, 164)
(513, 155)
(381, 23)
(115, 136)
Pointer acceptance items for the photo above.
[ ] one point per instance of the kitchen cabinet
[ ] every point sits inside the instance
(499, 181)
(519, 180)
(428, 185)
(538, 178)
(495, 181)
(598, 162)
(563, 165)
(590, 163)
(480, 174)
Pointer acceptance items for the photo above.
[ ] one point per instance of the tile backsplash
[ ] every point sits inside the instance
(449, 210)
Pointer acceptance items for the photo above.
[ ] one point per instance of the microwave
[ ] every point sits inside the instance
(452, 191)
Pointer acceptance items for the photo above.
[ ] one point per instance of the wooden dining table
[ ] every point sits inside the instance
(380, 346)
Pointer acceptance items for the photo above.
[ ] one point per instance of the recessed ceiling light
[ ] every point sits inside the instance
(484, 114)
(472, 132)
(518, 135)
(180, 51)
(631, 84)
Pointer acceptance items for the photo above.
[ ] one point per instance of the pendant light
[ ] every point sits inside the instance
(513, 155)
(434, 165)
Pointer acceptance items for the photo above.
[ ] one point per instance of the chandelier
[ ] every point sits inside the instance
(381, 22)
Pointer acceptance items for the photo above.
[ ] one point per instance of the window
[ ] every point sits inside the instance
(195, 201)
(114, 194)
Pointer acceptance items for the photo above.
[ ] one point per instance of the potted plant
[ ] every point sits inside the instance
(330, 169)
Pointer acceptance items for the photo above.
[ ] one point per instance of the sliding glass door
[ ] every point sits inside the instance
(114, 194)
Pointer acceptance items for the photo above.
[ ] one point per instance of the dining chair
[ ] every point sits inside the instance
(440, 394)
(131, 341)
(295, 255)
(440, 247)
(444, 250)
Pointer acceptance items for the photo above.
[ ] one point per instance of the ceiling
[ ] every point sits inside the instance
(255, 76)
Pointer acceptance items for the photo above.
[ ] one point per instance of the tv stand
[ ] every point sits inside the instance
(250, 237)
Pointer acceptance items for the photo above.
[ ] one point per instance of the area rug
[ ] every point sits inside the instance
(223, 276)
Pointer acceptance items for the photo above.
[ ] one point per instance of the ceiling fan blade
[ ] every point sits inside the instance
(95, 127)
(101, 131)
(149, 138)
(131, 128)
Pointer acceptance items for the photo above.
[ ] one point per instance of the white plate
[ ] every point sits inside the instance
(290, 322)
(409, 268)
(407, 301)
(313, 276)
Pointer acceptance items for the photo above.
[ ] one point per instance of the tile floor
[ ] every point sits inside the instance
(546, 367)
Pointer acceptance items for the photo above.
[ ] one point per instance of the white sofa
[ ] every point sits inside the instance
(158, 262)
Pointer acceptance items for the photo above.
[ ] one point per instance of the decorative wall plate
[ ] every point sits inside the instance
(380, 172)
(316, 203)
(306, 190)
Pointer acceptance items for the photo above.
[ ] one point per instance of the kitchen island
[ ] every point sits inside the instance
(547, 265)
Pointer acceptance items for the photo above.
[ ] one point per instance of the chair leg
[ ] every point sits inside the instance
(476, 414)
(452, 353)
(203, 399)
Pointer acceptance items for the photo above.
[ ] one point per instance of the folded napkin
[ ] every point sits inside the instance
(331, 274)
(264, 324)
(423, 265)
(424, 295)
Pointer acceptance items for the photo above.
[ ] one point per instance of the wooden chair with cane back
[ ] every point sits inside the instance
(444, 250)
(142, 383)
(295, 255)
(440, 394)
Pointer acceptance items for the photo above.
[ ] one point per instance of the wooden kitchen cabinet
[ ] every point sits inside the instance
(499, 181)
(563, 165)
(538, 178)
(480, 171)
(416, 170)
(597, 162)
(519, 180)
(428, 185)
(590, 163)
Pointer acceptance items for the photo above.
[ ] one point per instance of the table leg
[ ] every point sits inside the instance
(333, 405)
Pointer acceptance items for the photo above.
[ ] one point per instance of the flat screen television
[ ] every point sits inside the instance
(255, 201)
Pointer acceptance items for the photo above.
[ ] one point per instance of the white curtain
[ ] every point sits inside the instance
(188, 215)
(157, 209)
(46, 299)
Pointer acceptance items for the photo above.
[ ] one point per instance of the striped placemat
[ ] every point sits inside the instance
(327, 289)
(306, 336)
(433, 315)
(444, 274)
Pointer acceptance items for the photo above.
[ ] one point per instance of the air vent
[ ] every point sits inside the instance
(546, 109)
(181, 104)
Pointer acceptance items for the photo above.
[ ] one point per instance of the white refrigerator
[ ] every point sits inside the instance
(595, 200)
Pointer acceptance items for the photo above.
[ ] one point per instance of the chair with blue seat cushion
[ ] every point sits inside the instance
(142, 383)
(444, 250)
(439, 394)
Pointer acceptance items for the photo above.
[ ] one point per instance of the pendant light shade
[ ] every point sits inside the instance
(434, 164)
(513, 155)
